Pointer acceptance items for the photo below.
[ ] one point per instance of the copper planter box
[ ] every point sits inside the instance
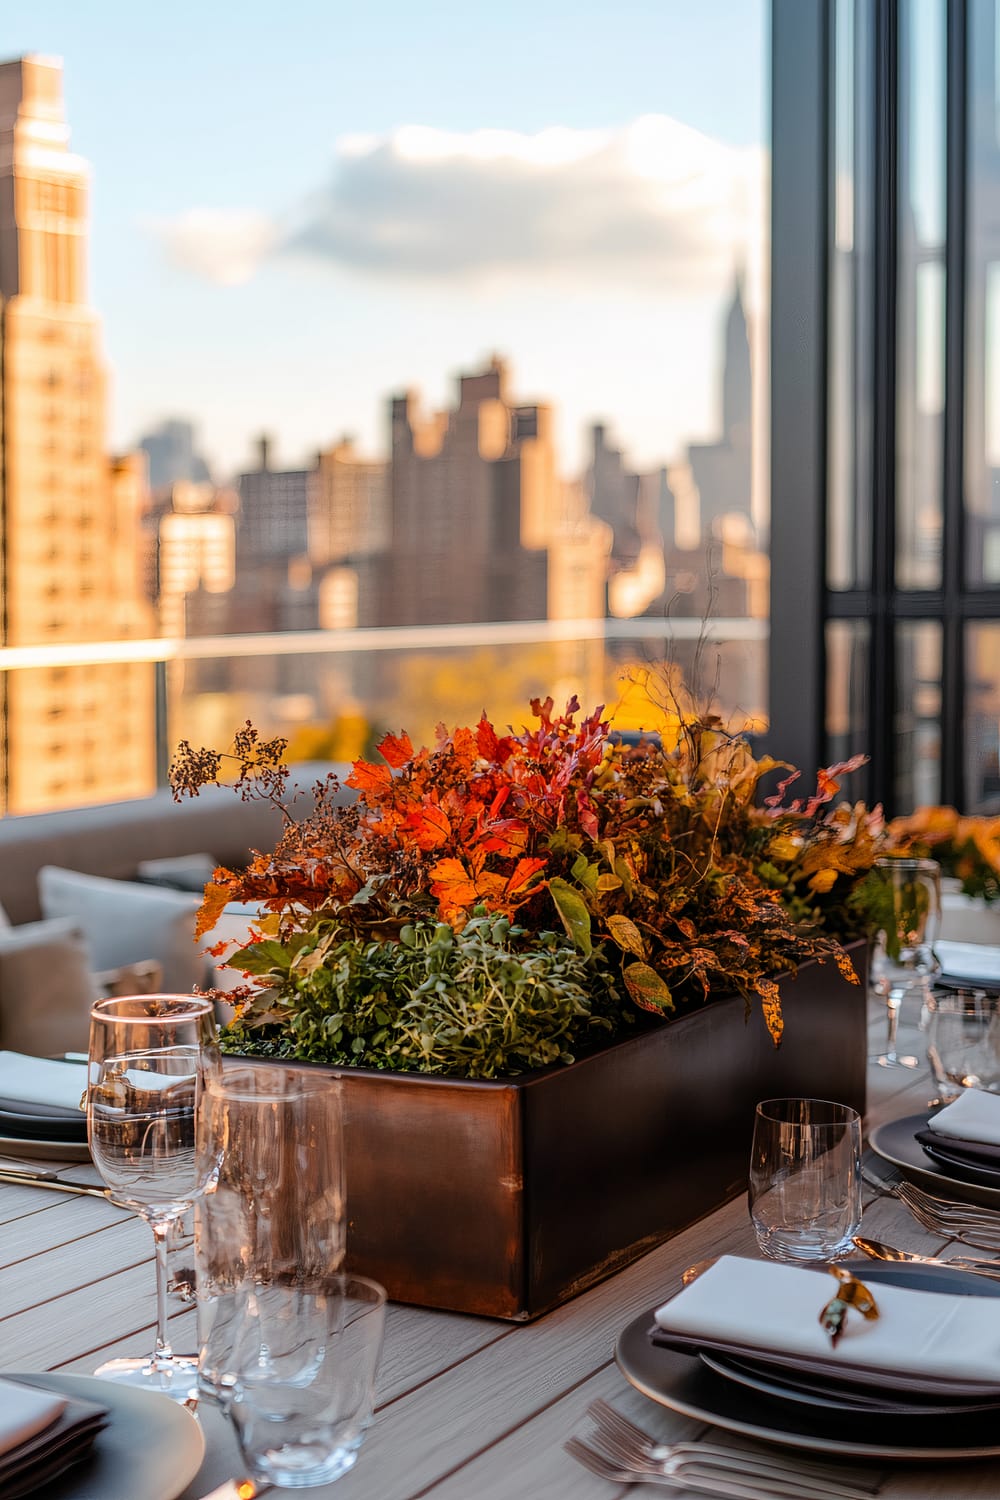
(508, 1198)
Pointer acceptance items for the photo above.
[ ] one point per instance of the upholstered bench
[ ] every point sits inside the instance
(89, 901)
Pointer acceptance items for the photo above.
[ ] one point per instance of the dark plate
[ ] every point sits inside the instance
(959, 1165)
(41, 1127)
(895, 1143)
(686, 1385)
(804, 1391)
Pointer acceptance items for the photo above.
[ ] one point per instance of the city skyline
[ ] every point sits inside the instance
(234, 140)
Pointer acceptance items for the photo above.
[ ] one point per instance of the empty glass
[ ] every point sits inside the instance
(805, 1178)
(288, 1344)
(270, 1138)
(302, 1381)
(908, 912)
(963, 1044)
(150, 1057)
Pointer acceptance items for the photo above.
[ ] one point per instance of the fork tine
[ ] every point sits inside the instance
(591, 1460)
(626, 1443)
(725, 1485)
(609, 1417)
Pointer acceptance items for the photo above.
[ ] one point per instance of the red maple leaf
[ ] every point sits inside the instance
(397, 749)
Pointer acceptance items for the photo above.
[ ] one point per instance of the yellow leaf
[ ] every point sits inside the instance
(627, 935)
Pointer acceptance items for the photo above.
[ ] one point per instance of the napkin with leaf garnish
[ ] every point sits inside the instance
(771, 1312)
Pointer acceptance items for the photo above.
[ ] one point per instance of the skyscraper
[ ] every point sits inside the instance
(474, 505)
(69, 561)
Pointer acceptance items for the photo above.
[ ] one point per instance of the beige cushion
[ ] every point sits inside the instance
(46, 988)
(126, 923)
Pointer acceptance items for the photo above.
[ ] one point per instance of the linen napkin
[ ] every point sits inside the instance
(41, 1434)
(761, 1307)
(974, 1116)
(24, 1413)
(36, 1080)
(969, 963)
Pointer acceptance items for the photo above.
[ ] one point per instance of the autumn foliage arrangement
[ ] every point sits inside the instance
(498, 902)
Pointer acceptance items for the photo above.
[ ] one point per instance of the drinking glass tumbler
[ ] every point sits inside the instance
(908, 911)
(303, 1380)
(805, 1179)
(269, 1139)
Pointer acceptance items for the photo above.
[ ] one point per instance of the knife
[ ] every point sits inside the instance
(31, 1178)
(877, 1251)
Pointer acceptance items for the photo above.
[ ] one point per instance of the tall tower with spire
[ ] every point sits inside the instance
(736, 391)
(69, 555)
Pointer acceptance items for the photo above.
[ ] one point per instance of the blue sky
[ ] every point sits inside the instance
(215, 127)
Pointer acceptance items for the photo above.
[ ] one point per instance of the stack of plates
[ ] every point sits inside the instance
(801, 1402)
(48, 1123)
(963, 1170)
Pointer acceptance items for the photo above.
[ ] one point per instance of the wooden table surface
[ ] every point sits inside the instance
(469, 1409)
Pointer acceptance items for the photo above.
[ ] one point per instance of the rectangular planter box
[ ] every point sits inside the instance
(507, 1198)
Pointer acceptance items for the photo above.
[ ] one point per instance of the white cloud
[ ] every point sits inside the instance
(222, 245)
(653, 201)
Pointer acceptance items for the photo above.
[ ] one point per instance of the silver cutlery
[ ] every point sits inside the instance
(617, 1441)
(971, 1223)
(51, 1181)
(722, 1484)
(876, 1250)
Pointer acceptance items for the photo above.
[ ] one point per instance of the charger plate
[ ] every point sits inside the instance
(894, 1142)
(685, 1384)
(36, 1150)
(151, 1448)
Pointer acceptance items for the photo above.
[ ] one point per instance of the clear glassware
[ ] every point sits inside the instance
(963, 1043)
(303, 1380)
(149, 1058)
(805, 1179)
(270, 1141)
(904, 964)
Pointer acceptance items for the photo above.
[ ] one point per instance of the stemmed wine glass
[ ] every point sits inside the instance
(149, 1058)
(908, 913)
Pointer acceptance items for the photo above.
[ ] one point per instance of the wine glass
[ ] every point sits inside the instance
(149, 1058)
(908, 896)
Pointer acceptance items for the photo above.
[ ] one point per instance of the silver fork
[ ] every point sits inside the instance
(634, 1448)
(970, 1223)
(723, 1485)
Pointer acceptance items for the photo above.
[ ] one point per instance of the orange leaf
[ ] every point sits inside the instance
(509, 838)
(397, 749)
(524, 871)
(486, 739)
(429, 826)
(215, 898)
(452, 884)
(770, 999)
(368, 778)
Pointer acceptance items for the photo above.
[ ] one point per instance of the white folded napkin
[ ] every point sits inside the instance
(24, 1413)
(775, 1307)
(35, 1080)
(974, 1116)
(971, 961)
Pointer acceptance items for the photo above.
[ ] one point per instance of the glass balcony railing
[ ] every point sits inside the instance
(98, 722)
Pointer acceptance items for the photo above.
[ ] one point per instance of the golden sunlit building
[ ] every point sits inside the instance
(69, 519)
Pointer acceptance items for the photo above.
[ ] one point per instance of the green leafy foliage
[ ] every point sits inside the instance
(477, 1003)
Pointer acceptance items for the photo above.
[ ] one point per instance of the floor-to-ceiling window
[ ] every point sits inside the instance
(898, 496)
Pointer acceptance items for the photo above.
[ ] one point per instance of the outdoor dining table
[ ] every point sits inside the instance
(468, 1408)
